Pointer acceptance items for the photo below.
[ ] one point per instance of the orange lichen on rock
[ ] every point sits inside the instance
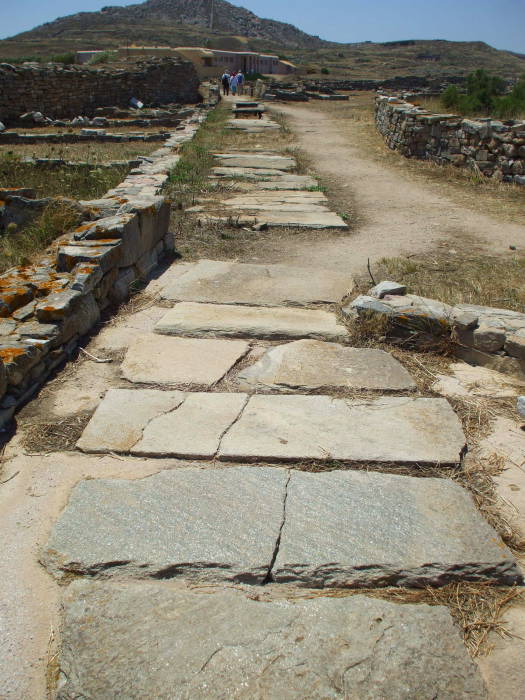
(8, 355)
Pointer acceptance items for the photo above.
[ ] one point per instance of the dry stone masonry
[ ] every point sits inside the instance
(67, 91)
(492, 147)
(46, 307)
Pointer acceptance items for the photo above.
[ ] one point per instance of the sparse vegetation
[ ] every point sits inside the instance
(486, 96)
(104, 57)
(77, 183)
(21, 247)
(66, 58)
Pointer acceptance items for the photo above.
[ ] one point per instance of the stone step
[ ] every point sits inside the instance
(221, 282)
(253, 524)
(236, 426)
(255, 160)
(155, 359)
(222, 320)
(165, 643)
(306, 365)
(319, 220)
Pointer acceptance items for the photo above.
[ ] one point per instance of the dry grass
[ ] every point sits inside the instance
(461, 277)
(124, 129)
(355, 119)
(23, 247)
(60, 435)
(90, 152)
(76, 183)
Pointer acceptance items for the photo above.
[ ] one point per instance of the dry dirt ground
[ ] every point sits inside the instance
(392, 209)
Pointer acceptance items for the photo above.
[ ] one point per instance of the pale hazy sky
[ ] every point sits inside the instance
(500, 23)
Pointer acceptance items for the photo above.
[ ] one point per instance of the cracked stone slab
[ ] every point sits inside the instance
(255, 160)
(167, 643)
(221, 282)
(398, 531)
(312, 365)
(269, 198)
(248, 173)
(194, 430)
(197, 523)
(119, 420)
(223, 320)
(383, 430)
(157, 359)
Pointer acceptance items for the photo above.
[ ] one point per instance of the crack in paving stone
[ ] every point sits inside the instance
(269, 577)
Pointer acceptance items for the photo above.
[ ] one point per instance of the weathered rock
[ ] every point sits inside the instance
(261, 285)
(488, 338)
(398, 530)
(393, 429)
(208, 320)
(18, 358)
(520, 404)
(168, 361)
(194, 430)
(467, 380)
(197, 523)
(166, 643)
(387, 287)
(313, 365)
(120, 419)
(515, 345)
(255, 160)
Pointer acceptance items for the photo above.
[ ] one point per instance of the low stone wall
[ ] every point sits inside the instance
(66, 91)
(483, 335)
(45, 308)
(494, 148)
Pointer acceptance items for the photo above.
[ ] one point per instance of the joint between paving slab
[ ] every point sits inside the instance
(229, 427)
(269, 577)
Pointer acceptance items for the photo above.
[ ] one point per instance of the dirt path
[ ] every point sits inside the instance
(390, 214)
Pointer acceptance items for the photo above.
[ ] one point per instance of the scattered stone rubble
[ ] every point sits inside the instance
(488, 336)
(46, 307)
(494, 148)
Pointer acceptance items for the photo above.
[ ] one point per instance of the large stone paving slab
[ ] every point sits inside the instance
(358, 529)
(119, 420)
(255, 160)
(322, 219)
(194, 430)
(222, 320)
(157, 359)
(221, 282)
(313, 365)
(204, 524)
(150, 640)
(391, 429)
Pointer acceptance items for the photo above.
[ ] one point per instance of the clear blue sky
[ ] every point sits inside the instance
(500, 23)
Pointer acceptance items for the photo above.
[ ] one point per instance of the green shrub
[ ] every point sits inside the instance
(254, 76)
(66, 58)
(104, 57)
(486, 96)
(325, 71)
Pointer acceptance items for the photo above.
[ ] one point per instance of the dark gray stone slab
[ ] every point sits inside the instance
(204, 524)
(360, 529)
(150, 640)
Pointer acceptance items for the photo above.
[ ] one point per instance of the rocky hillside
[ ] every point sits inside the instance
(172, 22)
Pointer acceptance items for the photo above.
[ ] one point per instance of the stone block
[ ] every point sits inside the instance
(166, 643)
(55, 307)
(387, 287)
(488, 338)
(515, 345)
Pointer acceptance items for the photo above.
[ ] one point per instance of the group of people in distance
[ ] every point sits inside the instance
(232, 81)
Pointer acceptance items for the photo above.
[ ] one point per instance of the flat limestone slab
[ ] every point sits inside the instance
(322, 219)
(222, 320)
(390, 429)
(165, 643)
(222, 282)
(273, 198)
(156, 359)
(313, 365)
(197, 523)
(194, 430)
(255, 160)
(248, 173)
(118, 422)
(356, 528)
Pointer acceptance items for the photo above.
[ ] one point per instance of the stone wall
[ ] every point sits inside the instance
(494, 148)
(45, 308)
(66, 91)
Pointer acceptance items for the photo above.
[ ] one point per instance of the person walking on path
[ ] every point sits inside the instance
(234, 83)
(225, 80)
(240, 82)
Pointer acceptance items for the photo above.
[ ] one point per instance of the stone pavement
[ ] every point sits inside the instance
(255, 454)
